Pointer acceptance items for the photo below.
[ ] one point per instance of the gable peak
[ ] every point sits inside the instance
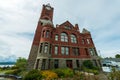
(85, 31)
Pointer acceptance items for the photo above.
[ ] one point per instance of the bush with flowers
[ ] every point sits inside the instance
(49, 75)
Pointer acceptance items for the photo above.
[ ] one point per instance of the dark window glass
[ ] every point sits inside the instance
(77, 63)
(86, 50)
(69, 63)
(49, 63)
(56, 63)
(37, 64)
(50, 49)
(43, 64)
(41, 46)
(75, 51)
(43, 34)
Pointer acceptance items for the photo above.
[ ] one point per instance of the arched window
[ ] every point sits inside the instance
(47, 34)
(64, 37)
(73, 39)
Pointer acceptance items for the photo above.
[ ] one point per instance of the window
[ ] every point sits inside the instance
(65, 50)
(69, 63)
(56, 63)
(64, 37)
(56, 37)
(73, 39)
(77, 63)
(41, 45)
(86, 50)
(75, 51)
(46, 48)
(88, 41)
(50, 49)
(43, 34)
(62, 50)
(49, 63)
(43, 64)
(47, 34)
(83, 42)
(95, 63)
(56, 50)
(37, 63)
(67, 27)
(92, 51)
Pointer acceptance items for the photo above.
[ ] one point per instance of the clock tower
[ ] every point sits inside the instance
(47, 12)
(42, 33)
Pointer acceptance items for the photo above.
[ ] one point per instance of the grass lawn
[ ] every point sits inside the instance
(4, 71)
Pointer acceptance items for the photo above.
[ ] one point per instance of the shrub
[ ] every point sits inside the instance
(88, 64)
(14, 67)
(64, 72)
(33, 75)
(80, 75)
(59, 72)
(14, 72)
(88, 67)
(49, 75)
(91, 71)
(114, 75)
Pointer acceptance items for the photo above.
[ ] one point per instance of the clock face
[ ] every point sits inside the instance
(48, 8)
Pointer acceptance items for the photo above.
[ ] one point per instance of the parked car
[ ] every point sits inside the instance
(110, 63)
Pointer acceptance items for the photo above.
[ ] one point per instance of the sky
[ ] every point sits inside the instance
(19, 19)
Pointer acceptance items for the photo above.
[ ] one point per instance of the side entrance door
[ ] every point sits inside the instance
(69, 63)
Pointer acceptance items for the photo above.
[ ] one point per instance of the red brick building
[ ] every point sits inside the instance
(61, 45)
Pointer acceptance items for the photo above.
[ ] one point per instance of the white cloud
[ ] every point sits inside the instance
(18, 21)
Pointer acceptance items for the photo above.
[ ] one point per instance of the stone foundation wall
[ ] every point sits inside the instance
(32, 57)
(62, 62)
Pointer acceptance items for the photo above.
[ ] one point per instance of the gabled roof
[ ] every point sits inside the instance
(67, 23)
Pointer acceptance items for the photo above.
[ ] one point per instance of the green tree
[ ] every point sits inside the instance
(19, 68)
(21, 63)
(88, 64)
(117, 56)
